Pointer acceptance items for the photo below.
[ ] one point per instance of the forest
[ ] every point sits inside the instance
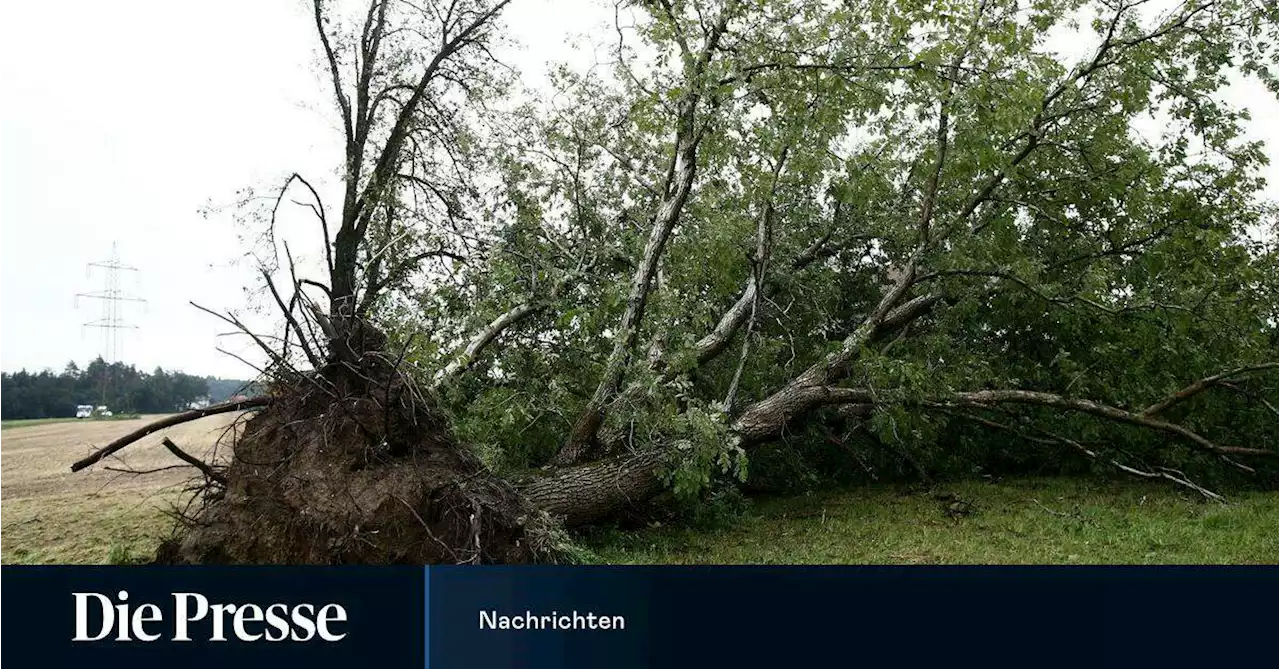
(771, 242)
(118, 386)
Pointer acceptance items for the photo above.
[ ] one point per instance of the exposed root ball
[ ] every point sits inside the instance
(358, 467)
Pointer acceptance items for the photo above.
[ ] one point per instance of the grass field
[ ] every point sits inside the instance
(1029, 521)
(30, 422)
(50, 516)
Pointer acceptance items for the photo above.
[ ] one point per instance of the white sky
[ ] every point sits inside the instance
(119, 121)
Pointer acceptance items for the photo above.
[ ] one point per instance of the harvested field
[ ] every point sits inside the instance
(50, 515)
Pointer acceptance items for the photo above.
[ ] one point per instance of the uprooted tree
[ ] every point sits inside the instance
(942, 234)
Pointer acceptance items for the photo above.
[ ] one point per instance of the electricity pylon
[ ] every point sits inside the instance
(113, 299)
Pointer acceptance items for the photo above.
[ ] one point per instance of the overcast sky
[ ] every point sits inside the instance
(120, 121)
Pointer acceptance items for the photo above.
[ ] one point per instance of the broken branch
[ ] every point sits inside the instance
(167, 422)
(194, 461)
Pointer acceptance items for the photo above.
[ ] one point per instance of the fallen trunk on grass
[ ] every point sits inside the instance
(362, 468)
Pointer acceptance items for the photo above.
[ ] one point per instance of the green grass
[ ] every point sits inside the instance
(1032, 521)
(1036, 521)
(29, 422)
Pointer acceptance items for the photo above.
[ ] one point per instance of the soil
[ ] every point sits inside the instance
(357, 465)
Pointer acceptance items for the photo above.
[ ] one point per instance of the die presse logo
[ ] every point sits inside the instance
(189, 615)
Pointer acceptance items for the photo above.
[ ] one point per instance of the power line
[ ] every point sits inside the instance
(113, 299)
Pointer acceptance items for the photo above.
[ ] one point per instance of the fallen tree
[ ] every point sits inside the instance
(471, 374)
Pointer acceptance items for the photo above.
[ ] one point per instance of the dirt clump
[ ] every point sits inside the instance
(356, 464)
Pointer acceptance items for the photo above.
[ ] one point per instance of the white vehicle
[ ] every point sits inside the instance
(103, 411)
(84, 410)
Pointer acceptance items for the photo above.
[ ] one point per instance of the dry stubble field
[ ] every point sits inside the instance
(48, 515)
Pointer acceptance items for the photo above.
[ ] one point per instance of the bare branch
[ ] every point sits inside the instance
(293, 323)
(1051, 438)
(194, 461)
(271, 354)
(986, 397)
(759, 271)
(167, 422)
(344, 105)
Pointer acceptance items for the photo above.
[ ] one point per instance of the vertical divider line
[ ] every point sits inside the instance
(426, 617)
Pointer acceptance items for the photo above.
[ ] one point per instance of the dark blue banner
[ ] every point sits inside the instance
(453, 617)
(382, 609)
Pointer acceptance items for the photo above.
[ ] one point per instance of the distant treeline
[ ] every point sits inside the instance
(120, 387)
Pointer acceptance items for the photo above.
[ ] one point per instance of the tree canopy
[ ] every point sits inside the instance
(768, 208)
(774, 236)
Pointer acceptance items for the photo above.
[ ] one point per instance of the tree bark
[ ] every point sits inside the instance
(594, 491)
(766, 419)
(585, 429)
(484, 337)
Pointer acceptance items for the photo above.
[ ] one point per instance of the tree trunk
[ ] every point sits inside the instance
(596, 490)
(676, 191)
